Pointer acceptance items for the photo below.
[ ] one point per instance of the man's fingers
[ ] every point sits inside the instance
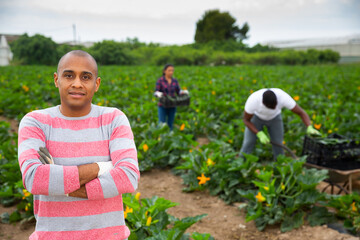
(46, 155)
(42, 160)
(45, 151)
(43, 155)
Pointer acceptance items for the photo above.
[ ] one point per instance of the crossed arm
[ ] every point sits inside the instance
(87, 173)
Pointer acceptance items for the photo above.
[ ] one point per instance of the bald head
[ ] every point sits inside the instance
(77, 53)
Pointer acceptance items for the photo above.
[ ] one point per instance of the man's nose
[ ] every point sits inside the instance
(77, 82)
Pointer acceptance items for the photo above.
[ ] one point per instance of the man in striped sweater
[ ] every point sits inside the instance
(92, 159)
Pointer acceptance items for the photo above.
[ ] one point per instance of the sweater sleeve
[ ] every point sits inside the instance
(177, 88)
(158, 85)
(38, 178)
(125, 175)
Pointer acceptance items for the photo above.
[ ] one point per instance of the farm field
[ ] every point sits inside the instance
(328, 93)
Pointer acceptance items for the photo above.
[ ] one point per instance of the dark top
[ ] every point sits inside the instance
(167, 89)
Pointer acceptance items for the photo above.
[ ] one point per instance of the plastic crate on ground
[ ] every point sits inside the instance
(334, 152)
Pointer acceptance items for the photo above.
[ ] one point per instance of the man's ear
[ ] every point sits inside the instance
(98, 81)
(56, 79)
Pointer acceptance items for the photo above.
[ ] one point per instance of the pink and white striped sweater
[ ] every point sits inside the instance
(102, 135)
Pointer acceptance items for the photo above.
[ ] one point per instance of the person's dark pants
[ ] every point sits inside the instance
(167, 115)
(275, 129)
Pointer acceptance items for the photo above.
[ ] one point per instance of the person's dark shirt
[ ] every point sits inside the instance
(167, 89)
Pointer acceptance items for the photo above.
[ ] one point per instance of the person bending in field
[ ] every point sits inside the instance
(167, 85)
(263, 108)
(78, 158)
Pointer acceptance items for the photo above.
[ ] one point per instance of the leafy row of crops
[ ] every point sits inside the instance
(328, 93)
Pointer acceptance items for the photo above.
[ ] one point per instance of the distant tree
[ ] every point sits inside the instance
(109, 52)
(35, 50)
(218, 26)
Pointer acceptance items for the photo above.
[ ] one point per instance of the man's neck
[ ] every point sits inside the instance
(74, 112)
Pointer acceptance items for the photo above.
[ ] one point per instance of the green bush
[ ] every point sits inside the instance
(109, 52)
(35, 50)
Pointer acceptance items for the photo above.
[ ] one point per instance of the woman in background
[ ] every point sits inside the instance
(167, 85)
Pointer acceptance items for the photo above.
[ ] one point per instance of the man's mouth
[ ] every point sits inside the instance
(76, 94)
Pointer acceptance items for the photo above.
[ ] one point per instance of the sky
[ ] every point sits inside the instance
(174, 22)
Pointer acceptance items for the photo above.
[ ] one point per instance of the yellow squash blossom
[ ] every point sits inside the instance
(137, 196)
(213, 92)
(266, 188)
(127, 210)
(145, 147)
(251, 91)
(260, 198)
(353, 207)
(25, 88)
(330, 131)
(282, 186)
(296, 98)
(26, 194)
(210, 162)
(203, 179)
(182, 127)
(27, 206)
(317, 126)
(148, 221)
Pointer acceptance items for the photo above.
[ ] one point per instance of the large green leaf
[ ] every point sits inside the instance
(291, 222)
(320, 216)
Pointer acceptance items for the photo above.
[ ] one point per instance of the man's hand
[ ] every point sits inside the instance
(45, 156)
(263, 138)
(104, 167)
(312, 131)
(158, 94)
(80, 193)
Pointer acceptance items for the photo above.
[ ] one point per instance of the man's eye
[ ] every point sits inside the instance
(86, 77)
(68, 75)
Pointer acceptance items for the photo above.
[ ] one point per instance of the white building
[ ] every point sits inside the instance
(347, 47)
(5, 52)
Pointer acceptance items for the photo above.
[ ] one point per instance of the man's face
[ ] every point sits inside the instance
(77, 82)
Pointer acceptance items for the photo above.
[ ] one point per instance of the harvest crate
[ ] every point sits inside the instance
(334, 152)
(170, 102)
